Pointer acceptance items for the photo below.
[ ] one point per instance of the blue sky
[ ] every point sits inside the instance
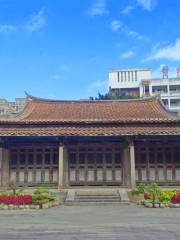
(64, 48)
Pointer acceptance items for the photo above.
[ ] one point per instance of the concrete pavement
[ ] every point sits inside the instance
(84, 223)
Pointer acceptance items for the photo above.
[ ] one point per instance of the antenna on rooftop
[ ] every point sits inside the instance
(165, 71)
(178, 72)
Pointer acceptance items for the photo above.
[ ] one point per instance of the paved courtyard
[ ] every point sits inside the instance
(83, 223)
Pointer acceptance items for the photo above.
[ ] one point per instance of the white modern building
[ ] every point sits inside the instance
(167, 88)
(138, 82)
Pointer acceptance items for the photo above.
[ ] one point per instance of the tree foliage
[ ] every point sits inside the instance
(112, 96)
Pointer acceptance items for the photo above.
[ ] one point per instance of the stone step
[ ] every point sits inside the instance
(97, 200)
(96, 197)
(79, 203)
(98, 193)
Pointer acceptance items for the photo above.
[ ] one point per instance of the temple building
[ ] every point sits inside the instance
(90, 143)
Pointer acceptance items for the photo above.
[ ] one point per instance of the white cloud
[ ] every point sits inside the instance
(147, 4)
(135, 34)
(131, 32)
(127, 9)
(37, 22)
(98, 8)
(170, 52)
(116, 25)
(127, 54)
(7, 29)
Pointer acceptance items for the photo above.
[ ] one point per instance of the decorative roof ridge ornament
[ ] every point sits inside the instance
(29, 96)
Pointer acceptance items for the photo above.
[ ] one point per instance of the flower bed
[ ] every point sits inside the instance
(156, 197)
(41, 198)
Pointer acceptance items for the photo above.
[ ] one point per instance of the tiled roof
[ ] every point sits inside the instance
(143, 110)
(91, 118)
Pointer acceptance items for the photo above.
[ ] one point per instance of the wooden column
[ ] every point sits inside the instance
(128, 157)
(132, 165)
(63, 167)
(5, 161)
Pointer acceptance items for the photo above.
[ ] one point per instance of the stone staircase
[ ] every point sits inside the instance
(97, 197)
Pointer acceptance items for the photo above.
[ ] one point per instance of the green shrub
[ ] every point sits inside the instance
(139, 189)
(41, 190)
(42, 195)
(12, 193)
(154, 192)
(40, 201)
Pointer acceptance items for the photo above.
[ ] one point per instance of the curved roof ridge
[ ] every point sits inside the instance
(28, 108)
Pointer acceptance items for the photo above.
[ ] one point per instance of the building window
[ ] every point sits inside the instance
(146, 89)
(130, 91)
(175, 102)
(121, 76)
(128, 76)
(2, 111)
(174, 88)
(135, 75)
(124, 76)
(159, 89)
(132, 78)
(118, 76)
(72, 158)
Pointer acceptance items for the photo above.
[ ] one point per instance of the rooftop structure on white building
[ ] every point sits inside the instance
(143, 85)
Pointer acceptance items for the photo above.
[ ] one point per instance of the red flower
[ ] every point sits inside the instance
(176, 199)
(17, 200)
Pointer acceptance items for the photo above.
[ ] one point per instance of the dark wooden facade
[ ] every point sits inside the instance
(94, 163)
